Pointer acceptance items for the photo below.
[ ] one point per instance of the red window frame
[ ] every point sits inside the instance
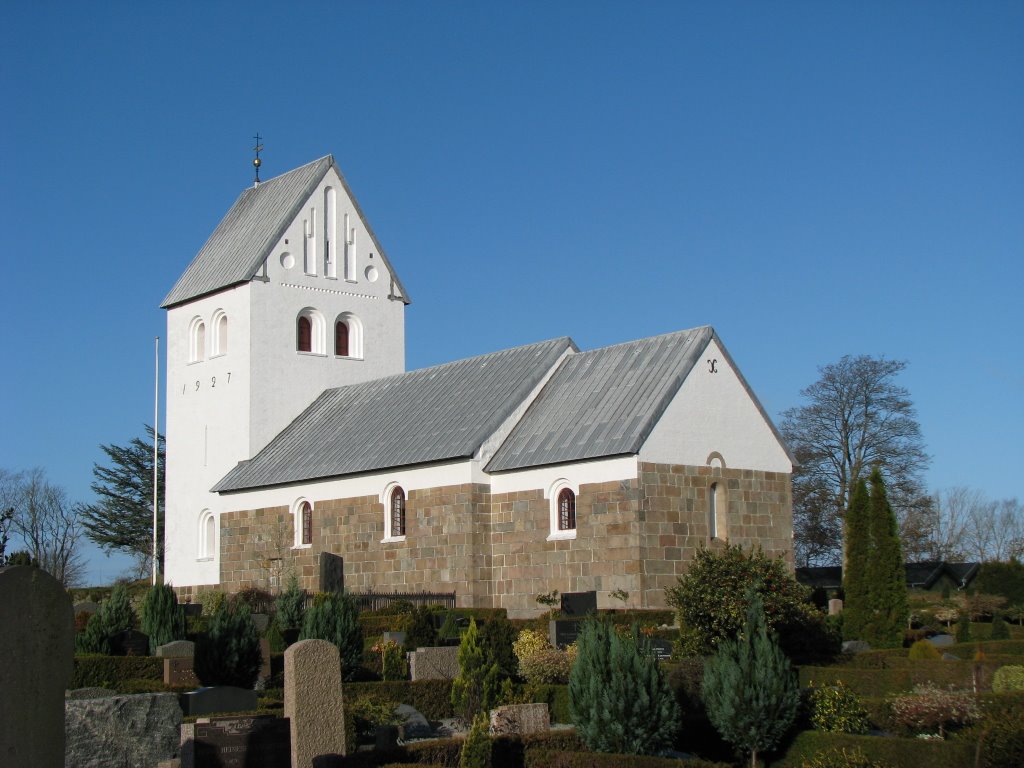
(307, 523)
(398, 512)
(305, 335)
(566, 510)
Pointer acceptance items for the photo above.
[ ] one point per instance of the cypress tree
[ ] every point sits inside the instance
(855, 568)
(162, 618)
(335, 618)
(963, 628)
(476, 749)
(117, 612)
(291, 605)
(229, 652)
(749, 689)
(470, 696)
(999, 629)
(619, 699)
(887, 583)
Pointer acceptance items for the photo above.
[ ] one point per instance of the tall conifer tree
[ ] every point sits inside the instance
(855, 569)
(887, 583)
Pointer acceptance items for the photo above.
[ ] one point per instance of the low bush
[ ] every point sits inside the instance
(1007, 679)
(555, 696)
(837, 709)
(540, 759)
(885, 751)
(843, 758)
(923, 650)
(114, 671)
(930, 709)
(430, 697)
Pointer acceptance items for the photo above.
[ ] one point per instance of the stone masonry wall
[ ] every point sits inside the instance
(492, 550)
(674, 512)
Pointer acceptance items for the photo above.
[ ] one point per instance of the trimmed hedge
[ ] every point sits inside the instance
(113, 671)
(540, 759)
(430, 697)
(895, 751)
(886, 680)
(557, 699)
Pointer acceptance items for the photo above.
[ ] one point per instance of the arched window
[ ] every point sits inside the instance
(341, 338)
(303, 524)
(562, 499)
(348, 336)
(310, 332)
(219, 324)
(716, 512)
(397, 512)
(196, 340)
(207, 535)
(566, 510)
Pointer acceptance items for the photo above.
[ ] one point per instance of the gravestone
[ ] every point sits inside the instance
(579, 604)
(332, 573)
(435, 663)
(37, 648)
(394, 637)
(176, 649)
(129, 642)
(313, 704)
(520, 719)
(414, 724)
(179, 672)
(563, 632)
(855, 646)
(835, 606)
(121, 730)
(261, 621)
(662, 648)
(218, 698)
(230, 742)
(192, 609)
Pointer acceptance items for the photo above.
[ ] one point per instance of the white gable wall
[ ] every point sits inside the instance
(712, 411)
(286, 381)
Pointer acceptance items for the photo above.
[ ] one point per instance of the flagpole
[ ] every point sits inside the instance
(156, 452)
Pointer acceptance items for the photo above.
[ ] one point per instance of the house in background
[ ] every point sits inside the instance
(930, 576)
(295, 437)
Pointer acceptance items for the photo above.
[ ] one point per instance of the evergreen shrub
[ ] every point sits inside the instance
(162, 618)
(420, 631)
(1008, 678)
(963, 628)
(229, 652)
(922, 650)
(476, 749)
(290, 605)
(837, 709)
(999, 629)
(117, 612)
(619, 698)
(477, 685)
(211, 600)
(94, 639)
(335, 617)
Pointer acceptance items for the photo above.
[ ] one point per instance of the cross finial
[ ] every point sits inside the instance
(256, 162)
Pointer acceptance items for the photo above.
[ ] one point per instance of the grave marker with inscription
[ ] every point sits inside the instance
(579, 604)
(236, 742)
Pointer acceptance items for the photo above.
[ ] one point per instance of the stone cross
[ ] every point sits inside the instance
(313, 704)
(37, 646)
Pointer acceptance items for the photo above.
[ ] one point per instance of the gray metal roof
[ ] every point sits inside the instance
(602, 403)
(245, 236)
(432, 414)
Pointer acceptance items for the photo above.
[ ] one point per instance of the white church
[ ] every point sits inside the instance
(296, 437)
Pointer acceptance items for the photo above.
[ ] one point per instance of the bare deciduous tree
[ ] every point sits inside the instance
(856, 416)
(965, 525)
(45, 522)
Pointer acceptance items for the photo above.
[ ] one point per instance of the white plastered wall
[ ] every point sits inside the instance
(207, 426)
(712, 411)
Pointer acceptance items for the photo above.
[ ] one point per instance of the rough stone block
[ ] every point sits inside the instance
(313, 703)
(520, 719)
(132, 731)
(440, 663)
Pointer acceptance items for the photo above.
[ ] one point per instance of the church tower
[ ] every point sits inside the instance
(290, 295)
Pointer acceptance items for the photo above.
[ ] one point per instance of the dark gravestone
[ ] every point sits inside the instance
(563, 632)
(192, 609)
(662, 649)
(179, 673)
(129, 642)
(242, 742)
(579, 604)
(218, 698)
(332, 573)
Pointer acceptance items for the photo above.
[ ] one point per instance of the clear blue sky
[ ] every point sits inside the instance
(813, 179)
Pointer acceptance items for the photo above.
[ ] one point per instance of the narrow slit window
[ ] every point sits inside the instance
(566, 510)
(398, 512)
(307, 523)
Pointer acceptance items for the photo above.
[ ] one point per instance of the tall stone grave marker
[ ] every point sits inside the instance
(312, 703)
(37, 646)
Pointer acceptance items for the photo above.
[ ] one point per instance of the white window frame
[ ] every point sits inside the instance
(355, 336)
(196, 340)
(219, 346)
(385, 498)
(317, 331)
(554, 533)
(207, 550)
